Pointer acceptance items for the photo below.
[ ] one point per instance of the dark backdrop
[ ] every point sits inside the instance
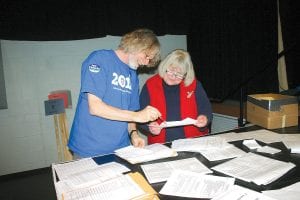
(231, 41)
(290, 20)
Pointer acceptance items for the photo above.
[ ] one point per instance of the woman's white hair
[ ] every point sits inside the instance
(178, 58)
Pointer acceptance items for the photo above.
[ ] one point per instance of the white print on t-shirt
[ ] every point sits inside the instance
(121, 81)
(94, 68)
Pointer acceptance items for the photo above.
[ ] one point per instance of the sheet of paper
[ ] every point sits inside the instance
(252, 168)
(279, 194)
(294, 145)
(292, 142)
(293, 187)
(150, 152)
(195, 144)
(251, 144)
(267, 149)
(265, 136)
(240, 193)
(89, 177)
(184, 122)
(194, 185)
(229, 151)
(229, 137)
(119, 188)
(65, 169)
(159, 172)
(291, 192)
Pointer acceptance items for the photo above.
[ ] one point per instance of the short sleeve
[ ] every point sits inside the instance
(93, 76)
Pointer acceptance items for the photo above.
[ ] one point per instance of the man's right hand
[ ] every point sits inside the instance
(148, 114)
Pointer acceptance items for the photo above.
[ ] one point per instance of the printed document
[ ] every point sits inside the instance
(226, 152)
(92, 176)
(253, 168)
(66, 169)
(265, 136)
(240, 193)
(150, 152)
(120, 188)
(195, 144)
(291, 192)
(159, 172)
(194, 185)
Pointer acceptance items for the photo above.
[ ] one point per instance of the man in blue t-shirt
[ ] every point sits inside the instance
(108, 101)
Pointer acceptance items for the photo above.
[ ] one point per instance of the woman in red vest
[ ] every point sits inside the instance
(177, 94)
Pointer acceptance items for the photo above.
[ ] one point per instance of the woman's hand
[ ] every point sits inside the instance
(201, 121)
(154, 128)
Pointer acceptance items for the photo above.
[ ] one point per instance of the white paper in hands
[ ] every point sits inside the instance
(184, 122)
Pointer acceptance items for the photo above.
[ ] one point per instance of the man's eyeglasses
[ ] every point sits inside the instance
(175, 74)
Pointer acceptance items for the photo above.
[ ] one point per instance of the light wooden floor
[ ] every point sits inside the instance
(231, 108)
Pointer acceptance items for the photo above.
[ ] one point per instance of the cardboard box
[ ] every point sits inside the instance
(272, 111)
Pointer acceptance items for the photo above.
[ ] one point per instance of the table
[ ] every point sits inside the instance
(291, 177)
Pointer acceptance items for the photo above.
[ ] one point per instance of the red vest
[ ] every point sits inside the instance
(188, 107)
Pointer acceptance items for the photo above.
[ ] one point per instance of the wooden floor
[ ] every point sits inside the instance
(231, 108)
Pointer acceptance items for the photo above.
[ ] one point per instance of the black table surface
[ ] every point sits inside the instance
(289, 178)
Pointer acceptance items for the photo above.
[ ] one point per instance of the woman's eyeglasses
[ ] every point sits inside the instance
(175, 74)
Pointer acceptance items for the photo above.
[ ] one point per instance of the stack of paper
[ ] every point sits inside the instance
(84, 173)
(125, 187)
(150, 152)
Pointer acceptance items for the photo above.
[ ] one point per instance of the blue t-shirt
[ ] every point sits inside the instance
(104, 75)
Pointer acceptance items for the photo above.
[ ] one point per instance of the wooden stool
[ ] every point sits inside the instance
(62, 136)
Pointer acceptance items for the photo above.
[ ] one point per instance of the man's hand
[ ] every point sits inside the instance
(148, 114)
(136, 140)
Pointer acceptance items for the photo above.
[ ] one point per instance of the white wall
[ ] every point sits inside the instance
(31, 71)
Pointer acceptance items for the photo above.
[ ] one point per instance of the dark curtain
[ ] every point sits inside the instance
(290, 24)
(72, 20)
(234, 44)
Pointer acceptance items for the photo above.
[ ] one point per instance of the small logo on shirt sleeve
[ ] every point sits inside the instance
(94, 68)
